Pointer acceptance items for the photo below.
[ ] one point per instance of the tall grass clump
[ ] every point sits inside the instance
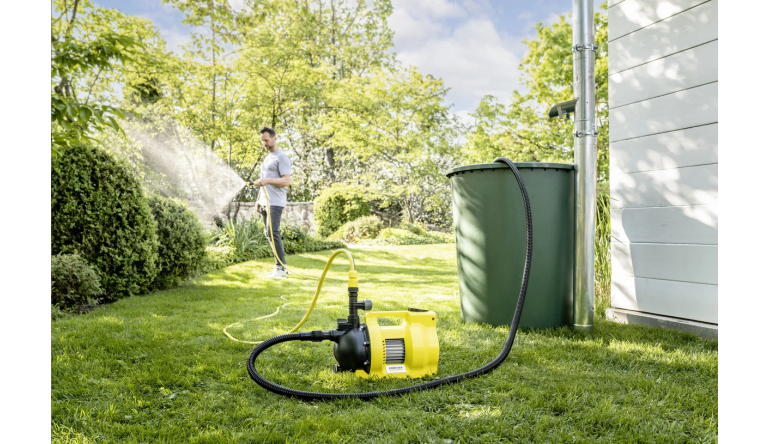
(245, 240)
(246, 237)
(602, 258)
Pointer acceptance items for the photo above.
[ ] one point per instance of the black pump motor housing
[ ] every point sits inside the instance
(352, 350)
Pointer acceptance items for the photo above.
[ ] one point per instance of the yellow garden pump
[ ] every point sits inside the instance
(407, 350)
(400, 351)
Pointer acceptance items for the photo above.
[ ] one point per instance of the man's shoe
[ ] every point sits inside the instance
(278, 273)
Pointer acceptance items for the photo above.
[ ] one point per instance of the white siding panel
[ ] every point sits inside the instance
(687, 147)
(678, 33)
(674, 262)
(696, 185)
(696, 224)
(632, 15)
(694, 67)
(687, 300)
(683, 109)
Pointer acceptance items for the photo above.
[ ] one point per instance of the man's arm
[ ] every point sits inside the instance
(284, 181)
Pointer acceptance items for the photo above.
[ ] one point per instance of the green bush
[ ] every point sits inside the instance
(216, 258)
(337, 205)
(297, 240)
(444, 238)
(182, 241)
(400, 236)
(367, 227)
(245, 240)
(74, 283)
(416, 228)
(98, 210)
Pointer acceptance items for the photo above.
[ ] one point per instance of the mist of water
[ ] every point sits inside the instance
(174, 163)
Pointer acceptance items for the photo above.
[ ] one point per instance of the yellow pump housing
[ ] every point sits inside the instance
(399, 351)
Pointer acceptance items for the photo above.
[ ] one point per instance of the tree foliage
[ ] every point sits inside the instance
(82, 48)
(323, 74)
(523, 131)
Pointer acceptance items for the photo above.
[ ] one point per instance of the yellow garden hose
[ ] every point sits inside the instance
(352, 282)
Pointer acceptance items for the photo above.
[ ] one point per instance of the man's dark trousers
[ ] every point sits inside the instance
(275, 220)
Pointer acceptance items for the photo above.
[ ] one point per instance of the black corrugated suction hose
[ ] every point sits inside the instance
(285, 391)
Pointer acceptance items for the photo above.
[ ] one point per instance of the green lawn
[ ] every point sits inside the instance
(157, 368)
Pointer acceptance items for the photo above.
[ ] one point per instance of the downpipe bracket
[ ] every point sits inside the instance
(594, 132)
(585, 47)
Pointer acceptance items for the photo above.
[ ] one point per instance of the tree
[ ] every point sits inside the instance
(77, 53)
(398, 137)
(523, 130)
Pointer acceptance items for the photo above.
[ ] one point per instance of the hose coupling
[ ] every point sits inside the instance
(319, 335)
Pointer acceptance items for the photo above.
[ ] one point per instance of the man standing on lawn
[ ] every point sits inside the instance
(275, 178)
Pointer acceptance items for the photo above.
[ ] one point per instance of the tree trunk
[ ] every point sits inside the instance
(214, 84)
(229, 165)
(330, 161)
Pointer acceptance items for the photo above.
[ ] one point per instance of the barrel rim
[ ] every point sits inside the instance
(497, 165)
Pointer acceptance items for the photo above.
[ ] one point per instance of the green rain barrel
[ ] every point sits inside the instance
(490, 229)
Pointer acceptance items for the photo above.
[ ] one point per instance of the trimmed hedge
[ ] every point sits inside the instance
(182, 241)
(74, 283)
(337, 205)
(98, 210)
(216, 258)
(296, 240)
(399, 236)
(417, 229)
(367, 227)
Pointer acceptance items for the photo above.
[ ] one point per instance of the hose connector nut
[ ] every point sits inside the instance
(352, 278)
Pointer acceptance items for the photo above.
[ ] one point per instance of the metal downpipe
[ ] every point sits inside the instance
(584, 57)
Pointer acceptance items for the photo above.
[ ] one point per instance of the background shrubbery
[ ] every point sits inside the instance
(74, 283)
(337, 205)
(401, 236)
(367, 227)
(369, 230)
(246, 240)
(98, 210)
(182, 241)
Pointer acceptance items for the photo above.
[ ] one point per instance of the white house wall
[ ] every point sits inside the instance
(687, 30)
(631, 15)
(663, 98)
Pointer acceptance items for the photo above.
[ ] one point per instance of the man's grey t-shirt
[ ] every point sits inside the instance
(275, 165)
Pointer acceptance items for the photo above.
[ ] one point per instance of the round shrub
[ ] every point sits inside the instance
(414, 228)
(367, 227)
(182, 241)
(339, 204)
(296, 240)
(216, 258)
(98, 210)
(400, 236)
(73, 282)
